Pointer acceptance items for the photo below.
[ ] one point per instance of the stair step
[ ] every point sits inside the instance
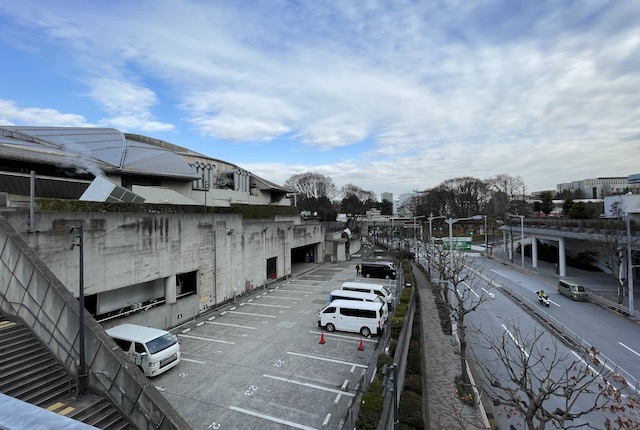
(20, 347)
(34, 385)
(22, 371)
(15, 332)
(30, 373)
(18, 366)
(121, 425)
(45, 398)
(88, 413)
(109, 417)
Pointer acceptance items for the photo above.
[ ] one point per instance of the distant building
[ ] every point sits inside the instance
(598, 188)
(387, 196)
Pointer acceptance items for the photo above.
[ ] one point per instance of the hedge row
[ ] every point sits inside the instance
(248, 211)
(410, 408)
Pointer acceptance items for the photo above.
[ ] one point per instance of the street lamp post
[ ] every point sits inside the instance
(521, 236)
(486, 242)
(431, 218)
(452, 221)
(629, 263)
(417, 243)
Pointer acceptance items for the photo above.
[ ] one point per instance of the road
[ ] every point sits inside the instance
(615, 336)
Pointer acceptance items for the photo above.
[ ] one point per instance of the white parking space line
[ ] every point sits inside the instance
(270, 418)
(286, 290)
(305, 384)
(269, 306)
(231, 325)
(206, 339)
(193, 361)
(275, 296)
(252, 315)
(331, 360)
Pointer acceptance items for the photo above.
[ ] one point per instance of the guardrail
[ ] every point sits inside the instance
(609, 304)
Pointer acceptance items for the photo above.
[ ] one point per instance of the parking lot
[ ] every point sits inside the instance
(258, 363)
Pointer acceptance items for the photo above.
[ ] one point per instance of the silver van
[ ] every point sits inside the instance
(361, 296)
(572, 290)
(153, 350)
(376, 289)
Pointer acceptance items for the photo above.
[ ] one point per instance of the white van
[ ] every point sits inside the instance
(352, 315)
(363, 297)
(153, 350)
(363, 287)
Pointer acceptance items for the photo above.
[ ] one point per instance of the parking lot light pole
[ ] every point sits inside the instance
(82, 373)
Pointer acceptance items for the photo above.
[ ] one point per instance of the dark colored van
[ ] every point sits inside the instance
(378, 269)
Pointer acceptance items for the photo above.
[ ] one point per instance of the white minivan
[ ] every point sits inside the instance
(153, 350)
(363, 297)
(352, 315)
(363, 287)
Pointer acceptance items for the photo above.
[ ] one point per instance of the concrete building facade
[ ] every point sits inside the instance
(163, 269)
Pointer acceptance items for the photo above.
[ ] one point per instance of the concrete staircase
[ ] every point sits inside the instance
(28, 372)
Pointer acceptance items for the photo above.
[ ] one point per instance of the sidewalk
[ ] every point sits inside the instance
(442, 364)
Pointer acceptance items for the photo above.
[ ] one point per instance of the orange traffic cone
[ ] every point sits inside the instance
(321, 338)
(361, 346)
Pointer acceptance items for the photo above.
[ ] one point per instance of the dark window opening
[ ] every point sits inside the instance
(186, 284)
(271, 268)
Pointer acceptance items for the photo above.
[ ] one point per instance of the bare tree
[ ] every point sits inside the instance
(609, 244)
(466, 196)
(505, 183)
(362, 195)
(531, 379)
(311, 187)
(459, 291)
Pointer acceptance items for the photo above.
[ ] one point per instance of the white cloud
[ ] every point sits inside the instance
(11, 114)
(425, 91)
(129, 105)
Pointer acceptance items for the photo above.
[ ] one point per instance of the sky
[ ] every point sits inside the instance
(391, 95)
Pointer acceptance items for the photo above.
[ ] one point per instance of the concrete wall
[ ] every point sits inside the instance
(121, 250)
(32, 292)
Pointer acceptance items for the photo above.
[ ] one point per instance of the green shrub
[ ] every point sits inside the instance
(413, 383)
(370, 411)
(384, 359)
(393, 344)
(401, 310)
(414, 362)
(410, 409)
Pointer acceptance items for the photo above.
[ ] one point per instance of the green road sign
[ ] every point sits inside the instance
(458, 243)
